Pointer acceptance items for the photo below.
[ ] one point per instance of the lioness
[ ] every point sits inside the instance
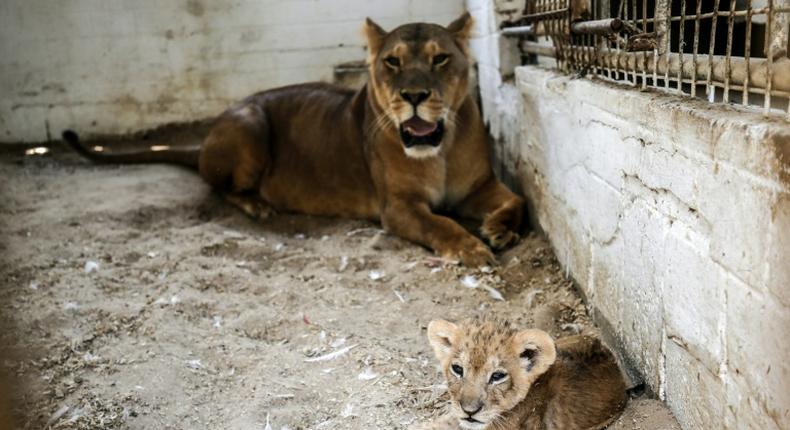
(508, 379)
(410, 142)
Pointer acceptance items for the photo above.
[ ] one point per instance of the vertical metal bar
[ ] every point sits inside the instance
(624, 10)
(681, 42)
(559, 31)
(698, 12)
(668, 16)
(635, 15)
(747, 52)
(656, 50)
(780, 27)
(555, 37)
(770, 54)
(580, 41)
(608, 51)
(620, 14)
(728, 56)
(710, 90)
(594, 38)
(644, 54)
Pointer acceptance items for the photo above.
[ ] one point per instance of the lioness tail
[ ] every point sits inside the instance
(183, 156)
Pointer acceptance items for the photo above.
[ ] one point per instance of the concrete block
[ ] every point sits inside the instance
(663, 167)
(778, 242)
(757, 353)
(739, 211)
(695, 395)
(597, 203)
(694, 296)
(641, 300)
(746, 407)
(570, 245)
(604, 282)
(607, 153)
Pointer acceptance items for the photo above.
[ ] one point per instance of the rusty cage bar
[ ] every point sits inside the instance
(728, 51)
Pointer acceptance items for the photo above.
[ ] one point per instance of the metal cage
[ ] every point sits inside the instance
(729, 51)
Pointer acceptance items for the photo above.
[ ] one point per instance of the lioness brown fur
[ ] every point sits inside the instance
(503, 378)
(409, 143)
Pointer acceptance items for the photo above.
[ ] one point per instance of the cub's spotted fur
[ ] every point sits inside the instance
(500, 377)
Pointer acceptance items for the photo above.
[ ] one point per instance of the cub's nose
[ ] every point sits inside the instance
(415, 97)
(471, 408)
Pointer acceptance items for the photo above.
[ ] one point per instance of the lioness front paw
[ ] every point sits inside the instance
(472, 253)
(496, 231)
(253, 207)
(498, 236)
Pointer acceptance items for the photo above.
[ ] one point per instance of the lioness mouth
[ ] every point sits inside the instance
(417, 131)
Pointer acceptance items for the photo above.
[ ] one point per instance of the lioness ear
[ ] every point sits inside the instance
(375, 35)
(442, 334)
(461, 28)
(535, 349)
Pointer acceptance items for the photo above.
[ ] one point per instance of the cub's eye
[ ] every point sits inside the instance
(457, 370)
(497, 377)
(440, 60)
(392, 61)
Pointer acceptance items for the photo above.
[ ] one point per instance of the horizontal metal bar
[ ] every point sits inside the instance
(675, 63)
(545, 15)
(537, 49)
(600, 27)
(721, 13)
(523, 30)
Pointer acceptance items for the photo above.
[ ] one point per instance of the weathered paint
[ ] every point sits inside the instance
(113, 66)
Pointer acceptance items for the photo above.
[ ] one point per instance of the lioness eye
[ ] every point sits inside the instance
(392, 61)
(496, 377)
(440, 59)
(458, 370)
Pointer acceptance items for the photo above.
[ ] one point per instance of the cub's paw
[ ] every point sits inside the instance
(471, 253)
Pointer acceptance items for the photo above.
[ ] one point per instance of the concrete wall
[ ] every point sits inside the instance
(672, 215)
(115, 66)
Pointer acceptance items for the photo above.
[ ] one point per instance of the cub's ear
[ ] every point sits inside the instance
(442, 335)
(535, 349)
(461, 28)
(375, 36)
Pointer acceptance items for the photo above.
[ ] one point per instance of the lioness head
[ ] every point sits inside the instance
(489, 365)
(418, 77)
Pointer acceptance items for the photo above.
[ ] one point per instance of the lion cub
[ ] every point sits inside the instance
(501, 378)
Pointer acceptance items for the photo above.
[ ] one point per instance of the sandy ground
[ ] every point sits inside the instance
(133, 297)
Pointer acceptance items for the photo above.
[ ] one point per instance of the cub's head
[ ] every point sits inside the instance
(489, 365)
(418, 77)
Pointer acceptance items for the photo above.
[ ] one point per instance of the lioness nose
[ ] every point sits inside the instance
(415, 97)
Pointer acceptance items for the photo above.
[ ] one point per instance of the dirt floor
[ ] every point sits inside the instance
(133, 297)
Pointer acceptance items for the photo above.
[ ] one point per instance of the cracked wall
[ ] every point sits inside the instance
(673, 217)
(114, 67)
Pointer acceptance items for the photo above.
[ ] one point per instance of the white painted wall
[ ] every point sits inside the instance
(672, 215)
(116, 66)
